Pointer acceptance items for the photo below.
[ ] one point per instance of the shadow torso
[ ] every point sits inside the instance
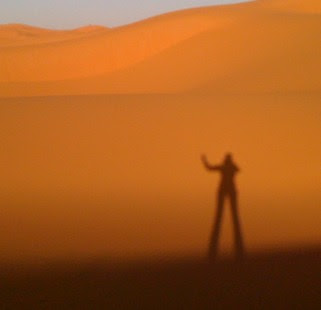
(227, 184)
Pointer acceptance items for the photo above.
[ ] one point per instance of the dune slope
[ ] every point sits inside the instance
(299, 6)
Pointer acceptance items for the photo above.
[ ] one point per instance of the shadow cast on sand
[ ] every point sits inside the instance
(227, 190)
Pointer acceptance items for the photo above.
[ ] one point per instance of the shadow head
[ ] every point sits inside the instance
(228, 159)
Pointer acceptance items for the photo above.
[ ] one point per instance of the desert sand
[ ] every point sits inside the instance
(104, 202)
(275, 281)
(101, 133)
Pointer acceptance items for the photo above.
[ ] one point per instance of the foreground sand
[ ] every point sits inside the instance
(288, 280)
(121, 175)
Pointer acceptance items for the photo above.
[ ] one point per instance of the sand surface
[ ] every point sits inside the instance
(102, 129)
(275, 281)
(121, 175)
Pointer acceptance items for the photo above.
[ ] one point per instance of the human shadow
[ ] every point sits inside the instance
(227, 189)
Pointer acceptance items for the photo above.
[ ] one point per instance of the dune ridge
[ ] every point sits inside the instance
(16, 35)
(241, 47)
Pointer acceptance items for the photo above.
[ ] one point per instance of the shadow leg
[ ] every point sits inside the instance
(213, 247)
(239, 245)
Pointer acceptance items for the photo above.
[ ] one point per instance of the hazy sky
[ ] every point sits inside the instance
(74, 13)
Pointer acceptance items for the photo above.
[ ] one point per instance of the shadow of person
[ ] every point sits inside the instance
(227, 189)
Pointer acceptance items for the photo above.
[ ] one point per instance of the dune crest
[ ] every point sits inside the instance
(17, 35)
(91, 28)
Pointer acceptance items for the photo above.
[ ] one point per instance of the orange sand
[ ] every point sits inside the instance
(120, 175)
(257, 46)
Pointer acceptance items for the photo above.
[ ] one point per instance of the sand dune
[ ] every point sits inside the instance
(17, 35)
(103, 53)
(256, 46)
